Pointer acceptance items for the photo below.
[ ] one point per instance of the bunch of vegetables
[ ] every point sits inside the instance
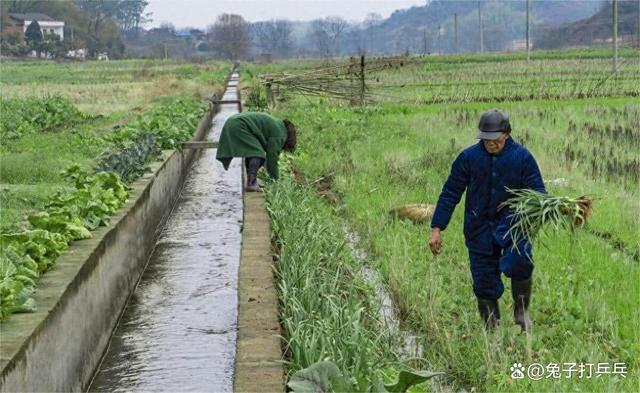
(533, 210)
(70, 215)
(19, 116)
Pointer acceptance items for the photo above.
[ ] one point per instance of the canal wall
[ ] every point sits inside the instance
(259, 364)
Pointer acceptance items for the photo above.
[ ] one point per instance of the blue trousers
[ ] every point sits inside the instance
(486, 269)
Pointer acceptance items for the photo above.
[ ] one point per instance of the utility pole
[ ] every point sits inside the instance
(362, 85)
(439, 30)
(371, 41)
(480, 27)
(638, 32)
(614, 17)
(424, 41)
(528, 27)
(455, 31)
(165, 51)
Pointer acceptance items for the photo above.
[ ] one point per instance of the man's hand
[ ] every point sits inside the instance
(436, 241)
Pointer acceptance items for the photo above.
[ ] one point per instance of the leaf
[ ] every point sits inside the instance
(407, 379)
(321, 377)
(77, 230)
(28, 305)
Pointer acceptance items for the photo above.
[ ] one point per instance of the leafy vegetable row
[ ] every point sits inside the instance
(170, 124)
(141, 141)
(70, 215)
(20, 116)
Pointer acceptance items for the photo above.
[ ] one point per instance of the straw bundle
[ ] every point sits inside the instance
(417, 212)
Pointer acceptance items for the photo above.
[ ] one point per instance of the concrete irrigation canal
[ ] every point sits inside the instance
(198, 314)
(179, 328)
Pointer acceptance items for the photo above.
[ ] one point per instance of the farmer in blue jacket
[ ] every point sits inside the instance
(485, 170)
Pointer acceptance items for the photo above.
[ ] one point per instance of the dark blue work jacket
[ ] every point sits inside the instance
(485, 177)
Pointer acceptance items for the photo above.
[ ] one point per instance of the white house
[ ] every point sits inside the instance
(47, 24)
(518, 45)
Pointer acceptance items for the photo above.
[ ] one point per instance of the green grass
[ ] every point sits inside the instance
(498, 77)
(30, 170)
(116, 86)
(585, 289)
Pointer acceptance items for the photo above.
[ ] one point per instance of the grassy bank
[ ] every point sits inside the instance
(388, 160)
(327, 308)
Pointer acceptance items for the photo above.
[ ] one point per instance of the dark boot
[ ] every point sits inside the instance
(489, 311)
(253, 164)
(521, 291)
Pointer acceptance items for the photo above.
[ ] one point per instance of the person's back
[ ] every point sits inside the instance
(264, 123)
(258, 137)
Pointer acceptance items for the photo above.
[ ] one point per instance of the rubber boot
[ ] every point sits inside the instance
(489, 311)
(253, 164)
(521, 291)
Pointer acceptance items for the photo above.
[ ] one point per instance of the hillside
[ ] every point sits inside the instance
(503, 21)
(595, 30)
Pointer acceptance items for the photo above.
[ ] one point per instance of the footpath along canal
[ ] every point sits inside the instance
(179, 329)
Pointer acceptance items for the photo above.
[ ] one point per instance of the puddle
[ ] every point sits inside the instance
(178, 331)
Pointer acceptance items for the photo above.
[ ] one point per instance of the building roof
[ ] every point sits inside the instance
(31, 16)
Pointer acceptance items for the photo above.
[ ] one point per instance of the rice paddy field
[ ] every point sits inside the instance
(355, 163)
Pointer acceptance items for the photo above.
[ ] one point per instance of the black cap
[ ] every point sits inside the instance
(492, 124)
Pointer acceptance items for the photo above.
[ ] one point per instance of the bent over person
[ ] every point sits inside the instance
(485, 170)
(258, 138)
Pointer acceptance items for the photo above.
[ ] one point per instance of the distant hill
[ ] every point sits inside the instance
(416, 29)
(594, 30)
(430, 27)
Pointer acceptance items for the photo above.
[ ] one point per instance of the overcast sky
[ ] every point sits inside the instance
(201, 13)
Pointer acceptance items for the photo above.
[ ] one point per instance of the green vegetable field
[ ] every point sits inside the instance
(72, 136)
(355, 163)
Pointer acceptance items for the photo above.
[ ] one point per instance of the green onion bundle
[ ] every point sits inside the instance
(533, 210)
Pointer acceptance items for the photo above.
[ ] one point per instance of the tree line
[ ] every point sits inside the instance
(95, 25)
(233, 37)
(117, 27)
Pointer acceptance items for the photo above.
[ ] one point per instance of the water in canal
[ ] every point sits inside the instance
(178, 331)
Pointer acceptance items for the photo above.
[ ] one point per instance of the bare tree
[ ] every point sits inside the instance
(320, 37)
(275, 36)
(372, 20)
(406, 40)
(230, 36)
(131, 16)
(327, 32)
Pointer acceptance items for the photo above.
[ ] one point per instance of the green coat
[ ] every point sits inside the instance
(252, 134)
